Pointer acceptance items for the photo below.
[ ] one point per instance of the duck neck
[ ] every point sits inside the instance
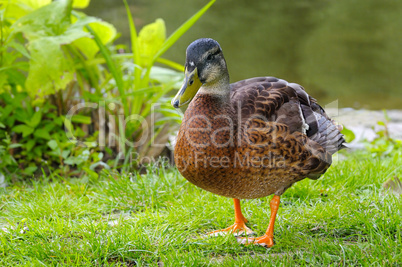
(219, 88)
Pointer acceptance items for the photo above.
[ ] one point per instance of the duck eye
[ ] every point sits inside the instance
(210, 57)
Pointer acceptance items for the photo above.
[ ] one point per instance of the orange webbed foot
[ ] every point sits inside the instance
(265, 241)
(237, 229)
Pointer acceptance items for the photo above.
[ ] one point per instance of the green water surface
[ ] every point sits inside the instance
(348, 51)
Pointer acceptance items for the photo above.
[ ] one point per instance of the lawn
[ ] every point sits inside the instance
(159, 219)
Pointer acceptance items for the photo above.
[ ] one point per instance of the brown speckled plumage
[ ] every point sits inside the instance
(248, 139)
(258, 143)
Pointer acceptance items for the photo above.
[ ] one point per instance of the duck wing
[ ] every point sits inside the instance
(290, 114)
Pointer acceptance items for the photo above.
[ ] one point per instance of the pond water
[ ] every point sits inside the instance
(348, 51)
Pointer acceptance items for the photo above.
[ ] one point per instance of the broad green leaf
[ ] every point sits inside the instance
(81, 3)
(14, 145)
(53, 144)
(35, 120)
(47, 29)
(2, 125)
(91, 173)
(24, 129)
(75, 31)
(16, 9)
(3, 82)
(30, 170)
(65, 154)
(42, 133)
(150, 40)
(73, 160)
(30, 144)
(349, 134)
(20, 48)
(164, 76)
(49, 126)
(35, 4)
(46, 76)
(106, 32)
(49, 20)
(38, 151)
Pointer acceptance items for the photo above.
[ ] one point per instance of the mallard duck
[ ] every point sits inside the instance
(249, 139)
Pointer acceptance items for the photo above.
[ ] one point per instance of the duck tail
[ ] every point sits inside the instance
(328, 134)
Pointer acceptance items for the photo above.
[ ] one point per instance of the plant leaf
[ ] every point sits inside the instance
(53, 144)
(47, 29)
(49, 20)
(171, 64)
(46, 76)
(30, 170)
(81, 3)
(81, 119)
(18, 9)
(35, 4)
(181, 30)
(349, 134)
(106, 32)
(35, 120)
(42, 133)
(116, 72)
(24, 129)
(30, 144)
(150, 40)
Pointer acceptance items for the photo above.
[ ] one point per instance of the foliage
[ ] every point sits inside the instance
(39, 139)
(344, 218)
(383, 145)
(348, 134)
(61, 68)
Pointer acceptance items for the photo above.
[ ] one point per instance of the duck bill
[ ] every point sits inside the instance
(188, 90)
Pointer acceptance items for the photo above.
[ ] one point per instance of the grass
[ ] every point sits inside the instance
(344, 218)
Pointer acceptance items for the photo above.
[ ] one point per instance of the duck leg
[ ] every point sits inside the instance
(239, 227)
(267, 240)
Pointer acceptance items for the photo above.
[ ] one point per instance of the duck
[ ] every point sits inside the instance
(249, 139)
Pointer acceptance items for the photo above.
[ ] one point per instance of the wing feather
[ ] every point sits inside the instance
(303, 121)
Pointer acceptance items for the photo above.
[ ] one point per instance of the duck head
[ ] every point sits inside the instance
(205, 66)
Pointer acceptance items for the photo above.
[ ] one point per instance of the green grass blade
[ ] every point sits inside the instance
(134, 43)
(135, 109)
(171, 64)
(116, 73)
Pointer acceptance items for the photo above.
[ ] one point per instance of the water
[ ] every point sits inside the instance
(347, 50)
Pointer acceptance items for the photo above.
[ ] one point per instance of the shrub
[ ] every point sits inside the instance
(71, 99)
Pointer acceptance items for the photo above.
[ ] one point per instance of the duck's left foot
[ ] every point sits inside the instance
(237, 229)
(265, 240)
